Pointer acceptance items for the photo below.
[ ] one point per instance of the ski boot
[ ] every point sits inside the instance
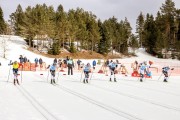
(54, 81)
(17, 81)
(14, 81)
(51, 81)
(86, 80)
(141, 80)
(165, 80)
(115, 80)
(110, 79)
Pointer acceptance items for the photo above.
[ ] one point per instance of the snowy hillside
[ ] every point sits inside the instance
(16, 46)
(71, 99)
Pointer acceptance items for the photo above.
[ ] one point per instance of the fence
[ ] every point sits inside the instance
(31, 67)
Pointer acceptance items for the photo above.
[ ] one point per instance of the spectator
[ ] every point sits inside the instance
(70, 65)
(94, 64)
(25, 59)
(67, 58)
(79, 64)
(107, 62)
(65, 63)
(55, 61)
(21, 59)
(60, 63)
(135, 66)
(40, 62)
(36, 61)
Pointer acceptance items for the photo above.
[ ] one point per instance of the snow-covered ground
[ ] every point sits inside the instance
(128, 99)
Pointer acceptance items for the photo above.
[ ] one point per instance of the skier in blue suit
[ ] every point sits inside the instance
(87, 70)
(112, 66)
(53, 72)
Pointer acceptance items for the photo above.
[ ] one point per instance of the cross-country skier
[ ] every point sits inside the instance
(87, 69)
(112, 67)
(142, 71)
(15, 71)
(53, 72)
(147, 71)
(165, 72)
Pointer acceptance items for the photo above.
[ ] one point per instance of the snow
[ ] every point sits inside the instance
(128, 99)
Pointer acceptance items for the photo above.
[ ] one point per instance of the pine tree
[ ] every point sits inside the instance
(127, 33)
(133, 43)
(104, 43)
(55, 50)
(168, 12)
(18, 20)
(150, 34)
(61, 25)
(2, 23)
(112, 25)
(140, 28)
(72, 48)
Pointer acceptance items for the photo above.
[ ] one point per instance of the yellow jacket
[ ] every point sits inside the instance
(15, 66)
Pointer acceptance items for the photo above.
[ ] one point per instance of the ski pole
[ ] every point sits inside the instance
(170, 73)
(9, 70)
(91, 75)
(81, 75)
(48, 75)
(160, 76)
(58, 76)
(21, 71)
(82, 72)
(114, 77)
(48, 72)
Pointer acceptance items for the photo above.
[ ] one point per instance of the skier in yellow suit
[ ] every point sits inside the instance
(15, 72)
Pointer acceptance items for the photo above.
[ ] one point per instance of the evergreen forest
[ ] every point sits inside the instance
(77, 29)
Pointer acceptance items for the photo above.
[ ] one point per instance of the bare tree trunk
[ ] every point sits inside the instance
(111, 47)
(91, 46)
(4, 45)
(29, 43)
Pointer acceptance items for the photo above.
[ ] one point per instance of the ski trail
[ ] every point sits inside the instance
(39, 107)
(139, 98)
(99, 104)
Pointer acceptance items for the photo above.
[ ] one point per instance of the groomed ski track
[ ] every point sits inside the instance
(128, 99)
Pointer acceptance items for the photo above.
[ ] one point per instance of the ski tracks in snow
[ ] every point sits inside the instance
(39, 107)
(139, 98)
(99, 104)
